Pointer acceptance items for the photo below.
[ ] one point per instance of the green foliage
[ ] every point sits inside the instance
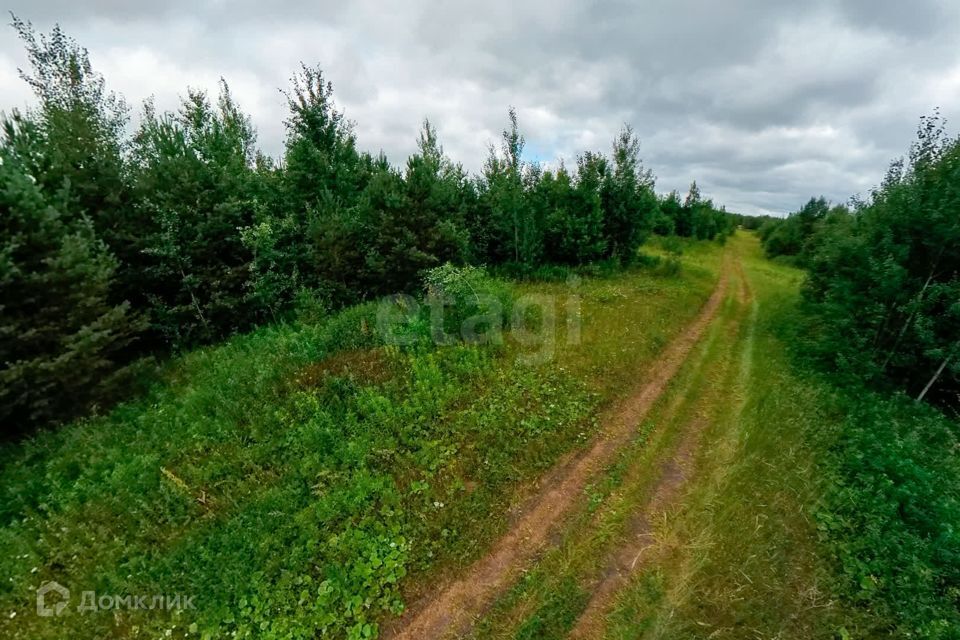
(693, 218)
(475, 306)
(674, 248)
(574, 217)
(515, 233)
(418, 222)
(308, 234)
(891, 514)
(61, 339)
(296, 478)
(81, 133)
(663, 223)
(207, 237)
(371, 230)
(883, 283)
(526, 216)
(750, 223)
(348, 473)
(321, 162)
(196, 185)
(629, 203)
(794, 236)
(555, 617)
(889, 504)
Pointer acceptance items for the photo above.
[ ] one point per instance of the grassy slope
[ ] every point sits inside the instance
(289, 496)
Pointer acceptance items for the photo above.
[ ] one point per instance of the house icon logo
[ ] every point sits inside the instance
(52, 599)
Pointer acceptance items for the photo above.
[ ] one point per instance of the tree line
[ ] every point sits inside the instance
(118, 245)
(882, 296)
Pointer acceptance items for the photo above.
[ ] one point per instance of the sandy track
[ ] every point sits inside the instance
(640, 547)
(451, 610)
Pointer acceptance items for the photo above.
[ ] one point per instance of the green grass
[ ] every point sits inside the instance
(554, 592)
(745, 559)
(304, 480)
(816, 511)
(833, 514)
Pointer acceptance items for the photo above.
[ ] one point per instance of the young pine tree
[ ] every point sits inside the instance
(515, 234)
(311, 236)
(554, 196)
(196, 186)
(629, 202)
(671, 212)
(62, 340)
(684, 224)
(82, 127)
(420, 224)
(585, 239)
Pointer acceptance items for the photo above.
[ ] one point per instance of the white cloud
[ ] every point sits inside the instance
(764, 103)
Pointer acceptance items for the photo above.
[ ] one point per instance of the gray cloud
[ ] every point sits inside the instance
(764, 103)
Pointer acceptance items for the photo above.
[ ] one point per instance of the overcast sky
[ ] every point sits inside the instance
(764, 103)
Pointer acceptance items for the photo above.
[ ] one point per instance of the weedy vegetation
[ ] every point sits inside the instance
(304, 392)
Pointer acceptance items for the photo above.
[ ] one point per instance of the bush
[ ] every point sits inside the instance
(891, 516)
(883, 284)
(477, 307)
(672, 245)
(671, 267)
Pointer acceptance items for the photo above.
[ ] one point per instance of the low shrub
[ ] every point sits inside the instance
(474, 306)
(891, 516)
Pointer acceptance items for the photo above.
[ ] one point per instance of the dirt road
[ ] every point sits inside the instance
(450, 611)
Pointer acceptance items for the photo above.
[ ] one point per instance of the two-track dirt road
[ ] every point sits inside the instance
(450, 610)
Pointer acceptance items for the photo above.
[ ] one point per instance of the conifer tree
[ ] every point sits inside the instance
(82, 125)
(421, 224)
(629, 202)
(310, 237)
(196, 186)
(515, 232)
(62, 340)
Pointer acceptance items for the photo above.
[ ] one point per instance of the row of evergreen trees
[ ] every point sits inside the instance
(883, 291)
(114, 245)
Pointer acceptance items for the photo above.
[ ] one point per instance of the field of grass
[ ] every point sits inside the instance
(810, 510)
(309, 480)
